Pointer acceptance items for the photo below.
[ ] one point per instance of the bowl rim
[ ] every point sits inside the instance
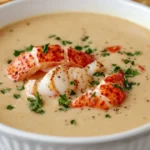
(126, 135)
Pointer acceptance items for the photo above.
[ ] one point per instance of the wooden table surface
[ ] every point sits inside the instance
(4, 1)
(145, 2)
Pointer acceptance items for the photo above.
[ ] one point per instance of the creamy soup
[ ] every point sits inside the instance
(101, 32)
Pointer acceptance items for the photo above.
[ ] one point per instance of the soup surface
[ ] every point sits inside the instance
(101, 32)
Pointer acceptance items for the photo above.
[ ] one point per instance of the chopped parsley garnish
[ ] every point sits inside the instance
(114, 65)
(105, 54)
(79, 48)
(107, 116)
(10, 107)
(73, 82)
(119, 87)
(4, 91)
(86, 46)
(41, 112)
(93, 95)
(63, 101)
(45, 48)
(29, 48)
(72, 92)
(63, 109)
(51, 36)
(132, 63)
(66, 42)
(36, 104)
(94, 83)
(128, 85)
(98, 74)
(116, 68)
(9, 61)
(138, 84)
(103, 51)
(85, 38)
(126, 61)
(131, 72)
(21, 88)
(58, 38)
(73, 122)
(133, 54)
(89, 51)
(16, 96)
(18, 52)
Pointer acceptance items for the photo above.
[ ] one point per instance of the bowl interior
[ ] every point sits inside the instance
(21, 9)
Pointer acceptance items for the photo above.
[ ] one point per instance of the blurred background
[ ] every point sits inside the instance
(145, 2)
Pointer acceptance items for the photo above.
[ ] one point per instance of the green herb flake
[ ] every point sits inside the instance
(94, 83)
(41, 112)
(72, 92)
(21, 88)
(131, 72)
(18, 52)
(126, 61)
(29, 48)
(36, 104)
(89, 51)
(73, 122)
(45, 48)
(4, 91)
(79, 48)
(133, 54)
(63, 101)
(51, 36)
(9, 61)
(85, 38)
(63, 109)
(98, 74)
(128, 85)
(58, 38)
(103, 51)
(119, 87)
(116, 68)
(107, 116)
(1, 83)
(138, 53)
(138, 84)
(17, 96)
(66, 42)
(10, 107)
(73, 82)
(133, 63)
(93, 95)
(86, 46)
(105, 54)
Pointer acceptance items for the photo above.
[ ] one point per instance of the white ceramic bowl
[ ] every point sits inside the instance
(13, 139)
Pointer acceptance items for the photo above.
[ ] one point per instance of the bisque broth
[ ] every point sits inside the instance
(103, 31)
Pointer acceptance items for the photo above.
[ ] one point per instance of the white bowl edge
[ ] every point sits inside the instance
(133, 12)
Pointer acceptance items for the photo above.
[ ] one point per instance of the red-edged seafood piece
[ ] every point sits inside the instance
(109, 93)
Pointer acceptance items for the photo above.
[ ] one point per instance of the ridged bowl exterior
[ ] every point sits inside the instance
(12, 139)
(16, 143)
